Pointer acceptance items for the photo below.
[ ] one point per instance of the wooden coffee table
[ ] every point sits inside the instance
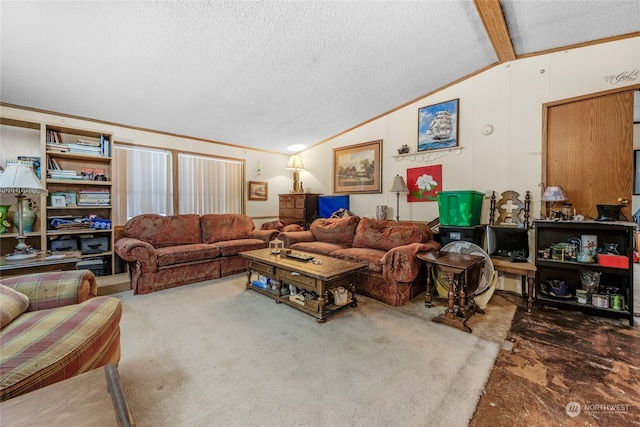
(321, 277)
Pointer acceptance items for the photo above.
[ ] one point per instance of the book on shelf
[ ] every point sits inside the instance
(52, 164)
(63, 174)
(77, 148)
(53, 137)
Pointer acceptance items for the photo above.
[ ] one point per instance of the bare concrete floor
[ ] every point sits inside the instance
(563, 368)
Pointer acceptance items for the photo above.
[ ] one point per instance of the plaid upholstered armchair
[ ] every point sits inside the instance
(53, 327)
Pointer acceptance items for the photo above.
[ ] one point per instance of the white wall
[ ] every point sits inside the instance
(509, 97)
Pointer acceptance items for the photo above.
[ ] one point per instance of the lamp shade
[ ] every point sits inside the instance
(18, 179)
(398, 185)
(295, 163)
(554, 194)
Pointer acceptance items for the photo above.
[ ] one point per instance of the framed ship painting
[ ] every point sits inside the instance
(358, 168)
(438, 126)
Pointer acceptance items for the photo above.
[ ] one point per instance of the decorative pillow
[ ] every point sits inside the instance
(12, 304)
(335, 230)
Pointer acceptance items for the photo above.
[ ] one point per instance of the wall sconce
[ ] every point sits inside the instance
(295, 164)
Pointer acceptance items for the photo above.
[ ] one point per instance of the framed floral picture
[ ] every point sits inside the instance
(423, 183)
(358, 168)
(258, 190)
(438, 126)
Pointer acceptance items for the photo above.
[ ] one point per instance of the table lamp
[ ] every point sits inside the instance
(553, 194)
(20, 180)
(295, 164)
(398, 186)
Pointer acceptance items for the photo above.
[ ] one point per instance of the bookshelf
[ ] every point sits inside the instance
(75, 167)
(79, 203)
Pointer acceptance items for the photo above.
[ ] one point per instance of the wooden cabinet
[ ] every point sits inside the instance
(298, 208)
(563, 268)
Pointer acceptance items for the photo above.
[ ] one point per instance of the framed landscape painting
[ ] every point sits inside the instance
(438, 126)
(358, 168)
(258, 190)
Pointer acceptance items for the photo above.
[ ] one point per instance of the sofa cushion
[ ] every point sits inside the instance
(335, 230)
(386, 235)
(12, 305)
(43, 347)
(163, 231)
(222, 227)
(186, 253)
(234, 247)
(371, 257)
(322, 248)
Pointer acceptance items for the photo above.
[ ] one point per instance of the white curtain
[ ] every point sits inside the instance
(142, 181)
(210, 185)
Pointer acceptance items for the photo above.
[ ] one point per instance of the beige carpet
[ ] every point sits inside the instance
(215, 354)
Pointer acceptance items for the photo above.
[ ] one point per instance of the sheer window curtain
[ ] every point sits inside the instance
(210, 185)
(142, 181)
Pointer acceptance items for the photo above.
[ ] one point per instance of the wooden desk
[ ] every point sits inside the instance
(527, 272)
(94, 398)
(40, 263)
(463, 272)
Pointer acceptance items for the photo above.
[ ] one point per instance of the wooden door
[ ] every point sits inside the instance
(588, 151)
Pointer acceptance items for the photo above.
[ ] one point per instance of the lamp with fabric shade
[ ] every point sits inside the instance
(295, 164)
(20, 180)
(398, 186)
(553, 194)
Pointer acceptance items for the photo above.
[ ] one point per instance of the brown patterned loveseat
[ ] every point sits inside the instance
(168, 251)
(394, 273)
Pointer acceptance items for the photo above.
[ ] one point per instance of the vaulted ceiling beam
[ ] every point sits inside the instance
(493, 19)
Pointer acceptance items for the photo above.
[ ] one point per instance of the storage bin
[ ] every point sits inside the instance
(94, 245)
(460, 208)
(63, 245)
(473, 234)
(616, 261)
(98, 266)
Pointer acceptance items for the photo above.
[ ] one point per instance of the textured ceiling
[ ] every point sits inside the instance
(266, 74)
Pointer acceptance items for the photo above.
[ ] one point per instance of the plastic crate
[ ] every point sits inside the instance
(473, 234)
(460, 208)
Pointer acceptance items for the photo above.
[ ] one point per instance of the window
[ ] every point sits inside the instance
(142, 181)
(210, 185)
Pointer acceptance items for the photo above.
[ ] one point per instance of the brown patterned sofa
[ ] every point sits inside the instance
(394, 273)
(53, 327)
(168, 251)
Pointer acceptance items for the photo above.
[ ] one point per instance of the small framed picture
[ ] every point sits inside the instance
(58, 201)
(258, 190)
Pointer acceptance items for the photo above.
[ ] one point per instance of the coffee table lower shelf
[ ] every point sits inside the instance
(329, 309)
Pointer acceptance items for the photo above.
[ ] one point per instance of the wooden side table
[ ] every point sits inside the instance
(463, 273)
(41, 263)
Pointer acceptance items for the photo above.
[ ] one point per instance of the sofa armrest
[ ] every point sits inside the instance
(291, 237)
(55, 289)
(266, 235)
(401, 263)
(137, 251)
